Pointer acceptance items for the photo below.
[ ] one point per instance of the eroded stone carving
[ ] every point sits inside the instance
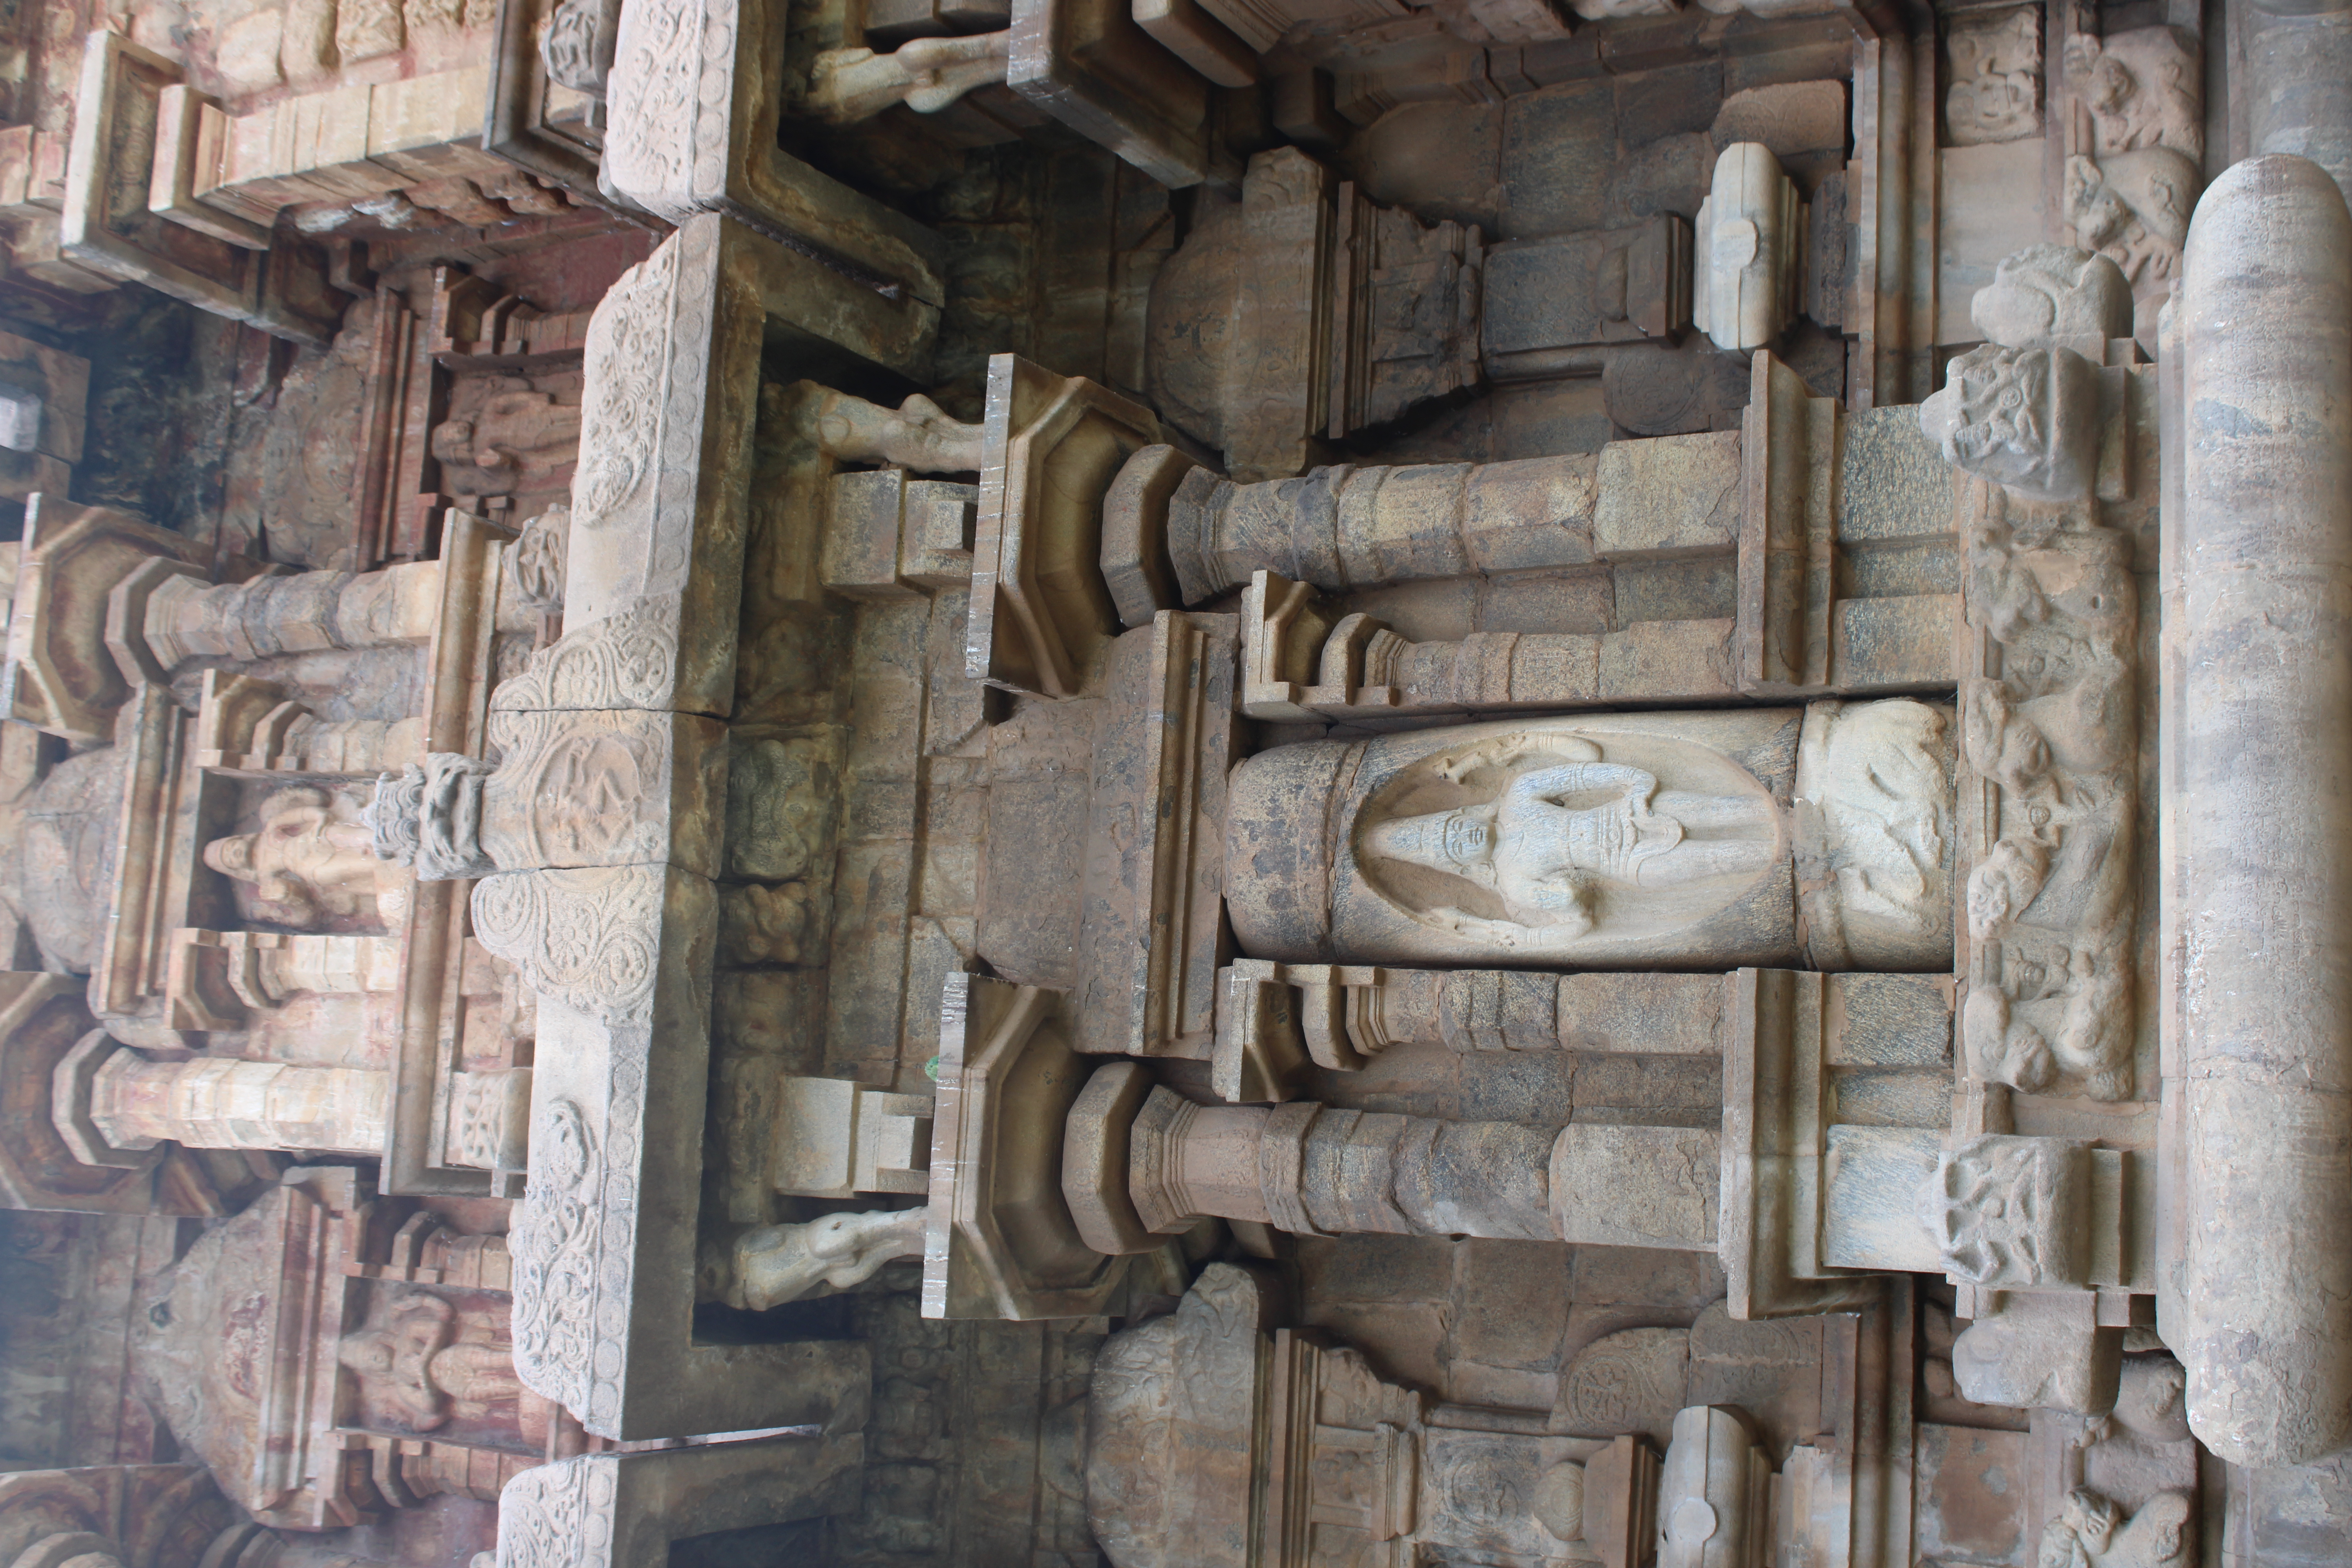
(1996, 83)
(414, 1354)
(2090, 1531)
(2141, 88)
(577, 48)
(513, 436)
(2024, 418)
(2133, 208)
(774, 1264)
(2050, 294)
(536, 564)
(1561, 824)
(915, 434)
(429, 816)
(2009, 1213)
(2134, 161)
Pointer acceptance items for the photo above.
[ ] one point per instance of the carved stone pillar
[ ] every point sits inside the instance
(1315, 1170)
(1353, 527)
(219, 1102)
(301, 613)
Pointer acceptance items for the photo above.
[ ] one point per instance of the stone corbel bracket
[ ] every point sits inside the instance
(1003, 1242)
(1053, 448)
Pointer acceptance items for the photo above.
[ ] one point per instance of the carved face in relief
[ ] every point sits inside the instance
(2026, 419)
(1555, 835)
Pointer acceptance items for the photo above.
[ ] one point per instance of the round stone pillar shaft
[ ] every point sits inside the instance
(2257, 848)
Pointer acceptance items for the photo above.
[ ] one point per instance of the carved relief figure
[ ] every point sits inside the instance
(417, 1355)
(2003, 1212)
(778, 1263)
(2134, 208)
(577, 48)
(2090, 1531)
(1996, 83)
(2024, 418)
(1562, 823)
(2136, 149)
(2140, 90)
(515, 436)
(537, 561)
(311, 861)
(2051, 902)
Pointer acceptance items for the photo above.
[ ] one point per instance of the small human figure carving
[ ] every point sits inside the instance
(515, 436)
(778, 1263)
(846, 86)
(310, 861)
(419, 1358)
(1545, 858)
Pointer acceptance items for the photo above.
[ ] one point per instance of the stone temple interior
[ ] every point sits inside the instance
(1176, 783)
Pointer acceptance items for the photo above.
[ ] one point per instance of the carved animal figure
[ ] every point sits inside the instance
(780, 1263)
